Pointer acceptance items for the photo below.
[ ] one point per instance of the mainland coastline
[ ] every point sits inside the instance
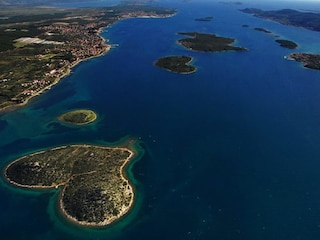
(56, 81)
(308, 20)
(94, 189)
(62, 44)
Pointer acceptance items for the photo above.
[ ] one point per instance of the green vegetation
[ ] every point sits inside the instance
(94, 189)
(36, 2)
(208, 42)
(78, 117)
(177, 64)
(38, 46)
(307, 20)
(287, 43)
(309, 60)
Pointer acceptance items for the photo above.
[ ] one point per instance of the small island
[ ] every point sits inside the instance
(204, 19)
(177, 64)
(78, 117)
(94, 189)
(208, 42)
(309, 60)
(231, 3)
(262, 30)
(287, 43)
(266, 31)
(282, 42)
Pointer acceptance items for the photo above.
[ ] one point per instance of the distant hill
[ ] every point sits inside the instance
(36, 2)
(307, 20)
(51, 2)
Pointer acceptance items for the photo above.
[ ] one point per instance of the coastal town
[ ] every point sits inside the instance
(37, 54)
(38, 50)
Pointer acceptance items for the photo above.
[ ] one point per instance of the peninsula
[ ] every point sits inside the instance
(94, 190)
(309, 60)
(177, 64)
(78, 117)
(39, 46)
(208, 42)
(308, 20)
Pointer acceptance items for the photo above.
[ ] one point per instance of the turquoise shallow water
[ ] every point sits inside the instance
(231, 151)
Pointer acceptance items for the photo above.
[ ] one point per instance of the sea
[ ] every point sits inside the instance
(230, 152)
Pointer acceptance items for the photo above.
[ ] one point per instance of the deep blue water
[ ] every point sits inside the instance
(231, 151)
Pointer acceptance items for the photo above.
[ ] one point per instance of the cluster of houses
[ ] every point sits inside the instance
(82, 42)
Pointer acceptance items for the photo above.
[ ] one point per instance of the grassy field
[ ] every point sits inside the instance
(94, 189)
(78, 117)
(39, 45)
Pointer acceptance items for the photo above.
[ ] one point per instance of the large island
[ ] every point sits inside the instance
(207, 42)
(94, 188)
